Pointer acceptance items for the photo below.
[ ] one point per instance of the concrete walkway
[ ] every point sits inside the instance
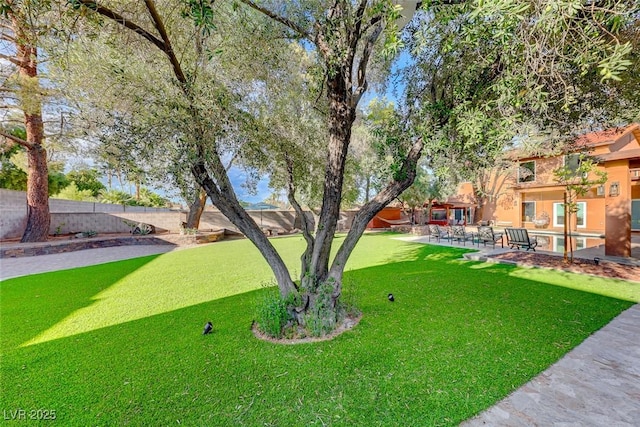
(596, 384)
(15, 267)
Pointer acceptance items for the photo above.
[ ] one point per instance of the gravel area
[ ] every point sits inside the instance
(579, 265)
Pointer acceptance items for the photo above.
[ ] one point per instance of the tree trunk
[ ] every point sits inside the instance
(221, 193)
(479, 213)
(195, 210)
(320, 295)
(341, 118)
(38, 218)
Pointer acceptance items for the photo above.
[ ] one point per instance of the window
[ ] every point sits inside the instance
(580, 218)
(635, 214)
(573, 161)
(528, 211)
(527, 171)
(438, 214)
(458, 215)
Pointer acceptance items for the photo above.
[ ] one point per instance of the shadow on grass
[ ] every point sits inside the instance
(32, 304)
(611, 287)
(456, 340)
(100, 296)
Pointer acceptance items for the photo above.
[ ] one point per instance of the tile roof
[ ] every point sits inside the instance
(620, 155)
(604, 137)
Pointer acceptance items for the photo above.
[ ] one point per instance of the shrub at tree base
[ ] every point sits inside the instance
(274, 317)
(322, 318)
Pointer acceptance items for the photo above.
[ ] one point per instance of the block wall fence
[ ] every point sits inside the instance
(69, 216)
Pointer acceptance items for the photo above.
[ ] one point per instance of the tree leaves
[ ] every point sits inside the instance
(201, 12)
(612, 66)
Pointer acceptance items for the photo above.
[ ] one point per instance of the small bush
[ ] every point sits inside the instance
(322, 318)
(271, 314)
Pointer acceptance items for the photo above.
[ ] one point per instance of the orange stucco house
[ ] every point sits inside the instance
(527, 195)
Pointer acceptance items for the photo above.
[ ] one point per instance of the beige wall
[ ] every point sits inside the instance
(506, 209)
(618, 210)
(68, 216)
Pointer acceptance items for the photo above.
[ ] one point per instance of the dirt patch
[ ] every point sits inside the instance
(66, 237)
(348, 324)
(579, 265)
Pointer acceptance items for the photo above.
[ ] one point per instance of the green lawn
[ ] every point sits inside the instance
(121, 343)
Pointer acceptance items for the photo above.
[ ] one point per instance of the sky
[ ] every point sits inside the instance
(238, 178)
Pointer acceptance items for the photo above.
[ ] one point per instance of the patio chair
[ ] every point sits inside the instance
(487, 235)
(460, 234)
(519, 238)
(437, 232)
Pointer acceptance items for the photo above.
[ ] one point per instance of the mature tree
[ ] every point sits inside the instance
(19, 27)
(344, 36)
(578, 176)
(142, 130)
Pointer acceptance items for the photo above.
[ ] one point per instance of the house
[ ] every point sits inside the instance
(529, 196)
(458, 209)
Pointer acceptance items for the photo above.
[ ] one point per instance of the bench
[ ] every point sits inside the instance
(460, 234)
(519, 238)
(487, 235)
(438, 233)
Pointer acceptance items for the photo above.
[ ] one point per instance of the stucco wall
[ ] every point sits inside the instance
(13, 213)
(73, 222)
(68, 216)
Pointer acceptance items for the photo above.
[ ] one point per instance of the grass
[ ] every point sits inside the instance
(121, 343)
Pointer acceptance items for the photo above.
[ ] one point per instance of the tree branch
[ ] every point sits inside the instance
(7, 37)
(375, 205)
(13, 60)
(16, 139)
(116, 17)
(358, 21)
(167, 49)
(286, 22)
(291, 195)
(305, 259)
(362, 66)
